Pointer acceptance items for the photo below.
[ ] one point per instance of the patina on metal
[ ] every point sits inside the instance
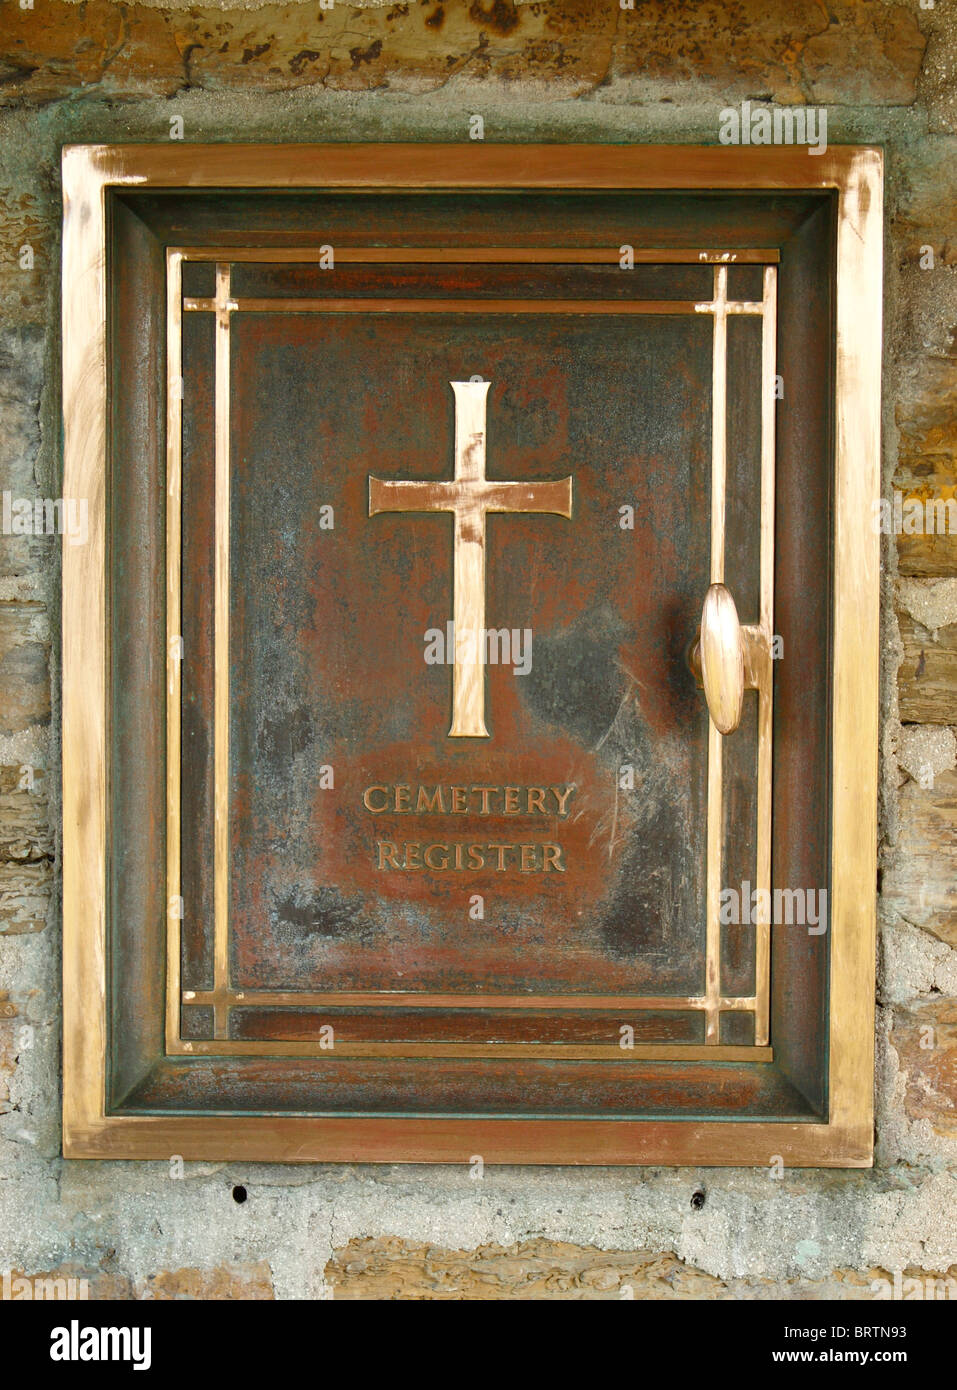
(264, 874)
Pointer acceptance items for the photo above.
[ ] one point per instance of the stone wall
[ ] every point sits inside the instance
(580, 70)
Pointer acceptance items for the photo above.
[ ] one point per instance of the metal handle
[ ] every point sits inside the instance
(726, 658)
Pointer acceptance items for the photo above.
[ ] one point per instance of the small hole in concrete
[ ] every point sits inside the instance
(240, 1194)
(697, 1201)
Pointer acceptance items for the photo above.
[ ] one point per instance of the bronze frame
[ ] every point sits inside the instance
(856, 176)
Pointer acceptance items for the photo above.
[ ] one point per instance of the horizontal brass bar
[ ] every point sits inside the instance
(408, 999)
(472, 306)
(481, 255)
(645, 1052)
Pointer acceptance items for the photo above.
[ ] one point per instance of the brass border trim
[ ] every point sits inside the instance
(482, 255)
(411, 999)
(174, 640)
(605, 307)
(762, 961)
(221, 856)
(715, 820)
(545, 1052)
(222, 998)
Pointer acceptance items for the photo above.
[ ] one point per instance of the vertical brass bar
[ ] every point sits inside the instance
(713, 930)
(85, 651)
(762, 945)
(174, 665)
(221, 660)
(856, 647)
(719, 391)
(719, 430)
(769, 329)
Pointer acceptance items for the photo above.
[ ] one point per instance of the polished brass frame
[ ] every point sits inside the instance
(856, 176)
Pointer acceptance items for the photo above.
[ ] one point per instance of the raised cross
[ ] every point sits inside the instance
(470, 496)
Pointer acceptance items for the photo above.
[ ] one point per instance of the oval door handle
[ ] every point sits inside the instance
(727, 658)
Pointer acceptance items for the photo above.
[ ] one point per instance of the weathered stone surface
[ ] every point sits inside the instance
(925, 751)
(913, 962)
(50, 50)
(21, 377)
(921, 339)
(249, 1282)
(23, 289)
(8, 1051)
(925, 1039)
(794, 51)
(932, 550)
(937, 88)
(390, 1268)
(25, 891)
(889, 48)
(24, 669)
(922, 208)
(142, 50)
(919, 880)
(927, 678)
(393, 1269)
(924, 337)
(25, 832)
(925, 418)
(926, 408)
(931, 603)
